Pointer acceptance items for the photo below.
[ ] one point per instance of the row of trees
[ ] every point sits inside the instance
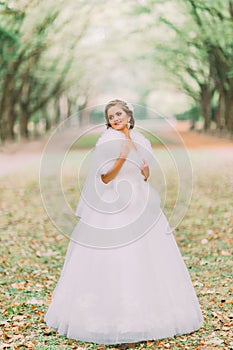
(34, 72)
(198, 54)
(55, 53)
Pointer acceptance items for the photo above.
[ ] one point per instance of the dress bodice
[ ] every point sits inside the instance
(131, 168)
(107, 150)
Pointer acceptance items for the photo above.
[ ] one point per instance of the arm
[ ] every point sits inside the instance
(111, 174)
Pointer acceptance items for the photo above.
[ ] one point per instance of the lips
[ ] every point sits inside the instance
(117, 123)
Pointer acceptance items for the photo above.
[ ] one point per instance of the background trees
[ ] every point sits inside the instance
(34, 71)
(55, 54)
(197, 53)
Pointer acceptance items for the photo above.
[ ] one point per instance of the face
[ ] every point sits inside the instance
(118, 118)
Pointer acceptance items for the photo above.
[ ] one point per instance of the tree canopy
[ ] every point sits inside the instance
(51, 51)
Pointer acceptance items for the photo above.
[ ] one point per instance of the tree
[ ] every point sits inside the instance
(197, 52)
(33, 71)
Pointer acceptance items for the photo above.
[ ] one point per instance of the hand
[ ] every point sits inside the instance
(145, 170)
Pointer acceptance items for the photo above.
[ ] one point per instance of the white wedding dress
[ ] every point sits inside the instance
(124, 279)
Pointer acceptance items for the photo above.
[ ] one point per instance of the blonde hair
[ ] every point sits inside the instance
(123, 105)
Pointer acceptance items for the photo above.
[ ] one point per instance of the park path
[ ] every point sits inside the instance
(17, 156)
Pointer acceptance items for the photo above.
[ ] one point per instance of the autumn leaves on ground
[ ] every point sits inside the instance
(32, 253)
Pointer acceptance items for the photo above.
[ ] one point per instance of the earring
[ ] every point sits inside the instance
(128, 124)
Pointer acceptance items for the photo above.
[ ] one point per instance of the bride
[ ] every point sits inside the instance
(124, 279)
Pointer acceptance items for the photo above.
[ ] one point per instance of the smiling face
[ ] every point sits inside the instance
(118, 118)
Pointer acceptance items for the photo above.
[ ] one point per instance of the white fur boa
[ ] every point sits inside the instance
(106, 151)
(141, 142)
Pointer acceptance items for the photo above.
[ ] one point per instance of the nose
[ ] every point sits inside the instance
(116, 117)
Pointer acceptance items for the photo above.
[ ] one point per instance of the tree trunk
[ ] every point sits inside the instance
(7, 124)
(11, 124)
(11, 118)
(24, 125)
(47, 123)
(220, 112)
(57, 110)
(205, 105)
(3, 131)
(229, 110)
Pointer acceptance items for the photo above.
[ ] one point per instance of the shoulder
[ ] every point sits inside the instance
(140, 138)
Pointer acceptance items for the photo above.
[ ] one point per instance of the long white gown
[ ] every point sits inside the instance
(124, 279)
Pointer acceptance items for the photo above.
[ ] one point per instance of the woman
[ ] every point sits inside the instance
(124, 279)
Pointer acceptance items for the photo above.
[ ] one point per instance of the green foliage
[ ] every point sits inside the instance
(192, 114)
(96, 116)
(198, 54)
(89, 141)
(33, 70)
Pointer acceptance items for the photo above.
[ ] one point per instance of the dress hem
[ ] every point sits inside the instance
(129, 340)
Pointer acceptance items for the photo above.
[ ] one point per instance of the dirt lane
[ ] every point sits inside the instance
(16, 156)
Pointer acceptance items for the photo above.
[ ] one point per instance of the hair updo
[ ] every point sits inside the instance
(123, 105)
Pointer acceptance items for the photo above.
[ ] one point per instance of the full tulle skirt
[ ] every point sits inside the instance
(124, 293)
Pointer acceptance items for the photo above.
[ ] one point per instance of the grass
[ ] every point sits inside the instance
(89, 141)
(32, 253)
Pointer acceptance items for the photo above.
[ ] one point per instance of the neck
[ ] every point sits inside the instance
(126, 131)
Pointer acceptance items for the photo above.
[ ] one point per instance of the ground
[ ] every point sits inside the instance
(32, 250)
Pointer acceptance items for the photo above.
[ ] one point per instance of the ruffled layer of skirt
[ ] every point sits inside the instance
(123, 291)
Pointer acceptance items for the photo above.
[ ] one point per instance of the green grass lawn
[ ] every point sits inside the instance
(32, 253)
(88, 141)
